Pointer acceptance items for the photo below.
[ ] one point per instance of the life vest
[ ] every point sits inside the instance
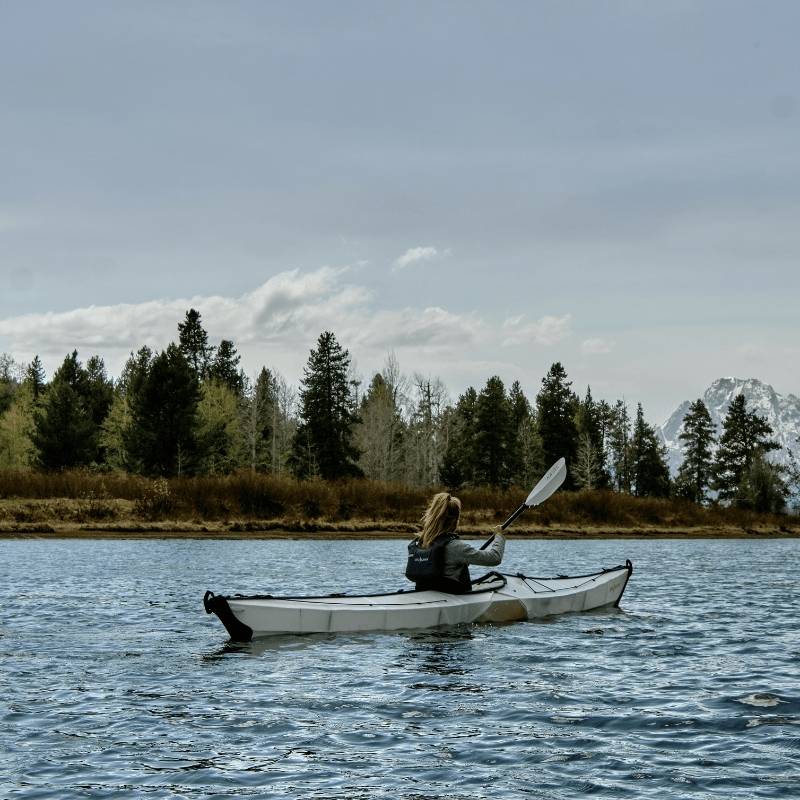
(425, 567)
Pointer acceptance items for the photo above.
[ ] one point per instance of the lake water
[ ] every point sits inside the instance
(115, 683)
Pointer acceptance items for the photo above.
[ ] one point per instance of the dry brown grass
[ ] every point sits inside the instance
(106, 498)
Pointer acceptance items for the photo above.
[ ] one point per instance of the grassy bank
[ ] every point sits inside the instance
(87, 503)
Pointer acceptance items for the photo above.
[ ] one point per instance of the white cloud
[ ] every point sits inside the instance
(278, 322)
(546, 330)
(596, 346)
(415, 255)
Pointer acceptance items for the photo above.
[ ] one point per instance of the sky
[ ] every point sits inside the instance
(479, 188)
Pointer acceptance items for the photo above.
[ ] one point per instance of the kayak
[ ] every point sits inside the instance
(495, 597)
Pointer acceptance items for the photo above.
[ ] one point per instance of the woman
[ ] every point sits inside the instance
(438, 559)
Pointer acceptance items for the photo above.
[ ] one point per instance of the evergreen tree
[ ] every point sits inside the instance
(135, 371)
(193, 343)
(35, 378)
(66, 434)
(591, 420)
(697, 436)
(519, 406)
(494, 435)
(744, 435)
(324, 437)
(458, 464)
(648, 460)
(620, 446)
(100, 390)
(116, 428)
(163, 397)
(225, 367)
(520, 410)
(9, 381)
(257, 422)
(763, 486)
(526, 455)
(556, 404)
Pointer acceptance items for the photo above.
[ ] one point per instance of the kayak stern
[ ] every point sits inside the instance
(217, 604)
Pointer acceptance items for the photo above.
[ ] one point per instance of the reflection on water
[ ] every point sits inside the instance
(447, 654)
(121, 686)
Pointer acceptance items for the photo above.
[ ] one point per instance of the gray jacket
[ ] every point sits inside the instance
(459, 553)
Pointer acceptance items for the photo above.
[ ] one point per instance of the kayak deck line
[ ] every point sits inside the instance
(345, 596)
(496, 597)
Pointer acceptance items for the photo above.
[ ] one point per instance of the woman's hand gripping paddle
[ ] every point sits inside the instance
(552, 479)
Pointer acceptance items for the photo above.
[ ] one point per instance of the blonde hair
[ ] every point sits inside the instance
(441, 516)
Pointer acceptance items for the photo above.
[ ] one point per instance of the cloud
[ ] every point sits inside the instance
(596, 346)
(546, 330)
(277, 322)
(416, 254)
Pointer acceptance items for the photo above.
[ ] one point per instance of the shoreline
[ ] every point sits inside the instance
(367, 529)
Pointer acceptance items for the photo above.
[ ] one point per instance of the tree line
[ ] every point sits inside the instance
(190, 409)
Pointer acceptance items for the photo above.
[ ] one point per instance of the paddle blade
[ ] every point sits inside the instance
(552, 479)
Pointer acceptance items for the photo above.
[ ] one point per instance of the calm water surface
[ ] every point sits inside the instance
(115, 683)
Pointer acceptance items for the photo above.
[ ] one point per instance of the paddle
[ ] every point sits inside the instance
(552, 479)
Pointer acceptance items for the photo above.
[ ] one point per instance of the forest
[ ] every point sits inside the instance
(190, 413)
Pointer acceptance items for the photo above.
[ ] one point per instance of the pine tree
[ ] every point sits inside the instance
(257, 420)
(591, 419)
(494, 435)
(66, 434)
(324, 437)
(458, 464)
(9, 382)
(163, 397)
(225, 367)
(650, 471)
(35, 377)
(193, 343)
(556, 404)
(135, 371)
(620, 446)
(695, 473)
(100, 390)
(116, 428)
(763, 486)
(744, 435)
(520, 410)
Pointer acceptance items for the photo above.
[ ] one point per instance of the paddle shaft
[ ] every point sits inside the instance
(552, 479)
(504, 525)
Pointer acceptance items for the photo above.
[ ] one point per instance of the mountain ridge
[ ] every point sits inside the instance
(781, 411)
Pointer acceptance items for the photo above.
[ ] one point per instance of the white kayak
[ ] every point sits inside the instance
(496, 597)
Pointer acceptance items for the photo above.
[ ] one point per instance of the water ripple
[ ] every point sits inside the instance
(116, 684)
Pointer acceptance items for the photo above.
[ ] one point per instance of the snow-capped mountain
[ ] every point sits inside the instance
(782, 412)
